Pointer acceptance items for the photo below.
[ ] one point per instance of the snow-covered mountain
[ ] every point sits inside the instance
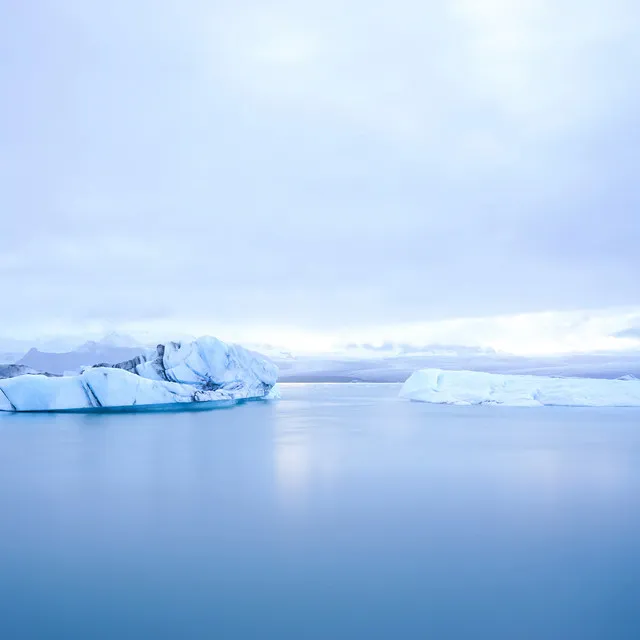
(352, 365)
(384, 362)
(110, 349)
(15, 370)
(88, 355)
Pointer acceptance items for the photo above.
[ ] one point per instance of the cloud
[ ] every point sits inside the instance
(523, 334)
(317, 168)
(631, 332)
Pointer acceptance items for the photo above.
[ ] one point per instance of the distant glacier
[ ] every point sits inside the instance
(473, 387)
(178, 373)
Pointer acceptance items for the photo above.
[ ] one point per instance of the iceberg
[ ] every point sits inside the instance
(178, 373)
(13, 370)
(473, 387)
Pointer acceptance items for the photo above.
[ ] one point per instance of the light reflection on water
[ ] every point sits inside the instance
(339, 511)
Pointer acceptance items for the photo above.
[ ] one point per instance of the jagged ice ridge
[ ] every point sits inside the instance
(205, 370)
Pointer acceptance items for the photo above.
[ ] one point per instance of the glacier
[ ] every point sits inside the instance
(203, 370)
(472, 387)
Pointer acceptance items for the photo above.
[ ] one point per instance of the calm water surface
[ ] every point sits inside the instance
(338, 512)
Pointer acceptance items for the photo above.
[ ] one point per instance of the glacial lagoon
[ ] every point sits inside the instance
(340, 511)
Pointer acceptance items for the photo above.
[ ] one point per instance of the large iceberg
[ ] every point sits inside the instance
(205, 370)
(473, 387)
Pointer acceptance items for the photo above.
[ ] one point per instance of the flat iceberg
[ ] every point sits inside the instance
(205, 370)
(473, 387)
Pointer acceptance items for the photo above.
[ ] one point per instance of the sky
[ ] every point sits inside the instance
(308, 172)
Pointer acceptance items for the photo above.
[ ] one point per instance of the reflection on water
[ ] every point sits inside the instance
(338, 512)
(291, 443)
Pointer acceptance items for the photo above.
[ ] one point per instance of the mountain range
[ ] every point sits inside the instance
(389, 362)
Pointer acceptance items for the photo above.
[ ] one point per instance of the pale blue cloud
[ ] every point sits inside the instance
(319, 165)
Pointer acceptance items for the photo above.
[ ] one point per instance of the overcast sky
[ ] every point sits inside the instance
(316, 167)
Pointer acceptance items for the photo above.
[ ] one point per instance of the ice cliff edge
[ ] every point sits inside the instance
(473, 387)
(204, 370)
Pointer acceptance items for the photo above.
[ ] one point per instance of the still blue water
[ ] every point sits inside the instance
(338, 512)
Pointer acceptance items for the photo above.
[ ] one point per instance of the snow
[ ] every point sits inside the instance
(472, 387)
(204, 370)
(13, 370)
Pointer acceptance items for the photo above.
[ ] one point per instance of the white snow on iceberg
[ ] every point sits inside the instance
(204, 370)
(473, 387)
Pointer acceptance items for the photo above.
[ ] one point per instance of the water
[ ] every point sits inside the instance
(338, 512)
